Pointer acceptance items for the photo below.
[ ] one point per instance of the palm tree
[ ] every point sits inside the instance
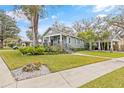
(33, 13)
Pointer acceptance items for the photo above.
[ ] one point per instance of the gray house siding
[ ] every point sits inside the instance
(75, 43)
(62, 38)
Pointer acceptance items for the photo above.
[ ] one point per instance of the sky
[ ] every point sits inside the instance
(66, 14)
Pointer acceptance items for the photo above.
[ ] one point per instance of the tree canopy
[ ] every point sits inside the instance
(33, 14)
(8, 27)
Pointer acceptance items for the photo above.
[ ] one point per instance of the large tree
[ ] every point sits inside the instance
(8, 28)
(116, 23)
(104, 38)
(88, 36)
(85, 30)
(30, 35)
(78, 26)
(101, 29)
(33, 14)
(10, 42)
(118, 19)
(83, 25)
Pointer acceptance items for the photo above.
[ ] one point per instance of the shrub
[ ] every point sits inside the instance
(11, 45)
(40, 50)
(23, 50)
(32, 50)
(47, 48)
(55, 49)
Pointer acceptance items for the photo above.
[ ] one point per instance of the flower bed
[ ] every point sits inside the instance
(30, 71)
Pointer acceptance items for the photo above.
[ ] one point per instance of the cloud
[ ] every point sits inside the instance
(101, 15)
(54, 17)
(105, 8)
(22, 33)
(18, 16)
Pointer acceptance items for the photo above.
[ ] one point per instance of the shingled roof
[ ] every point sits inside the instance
(60, 30)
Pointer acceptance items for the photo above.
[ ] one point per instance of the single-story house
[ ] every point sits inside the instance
(115, 42)
(29, 42)
(26, 43)
(65, 38)
(118, 41)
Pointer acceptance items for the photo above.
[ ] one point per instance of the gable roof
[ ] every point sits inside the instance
(63, 30)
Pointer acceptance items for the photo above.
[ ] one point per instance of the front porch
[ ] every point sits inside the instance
(107, 45)
(53, 40)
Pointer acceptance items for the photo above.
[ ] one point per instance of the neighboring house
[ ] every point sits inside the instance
(116, 41)
(26, 43)
(121, 43)
(29, 42)
(65, 38)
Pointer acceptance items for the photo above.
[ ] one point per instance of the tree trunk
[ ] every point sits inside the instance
(1, 36)
(90, 46)
(35, 29)
(99, 46)
(111, 48)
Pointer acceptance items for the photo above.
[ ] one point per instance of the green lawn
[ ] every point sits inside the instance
(114, 79)
(15, 59)
(103, 54)
(5, 48)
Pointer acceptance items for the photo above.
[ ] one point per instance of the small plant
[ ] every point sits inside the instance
(28, 68)
(32, 67)
(37, 65)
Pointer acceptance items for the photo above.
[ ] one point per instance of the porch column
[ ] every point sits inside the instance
(99, 46)
(49, 41)
(61, 41)
(111, 47)
(119, 46)
(67, 41)
(43, 41)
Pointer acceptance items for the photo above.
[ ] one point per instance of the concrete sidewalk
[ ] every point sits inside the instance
(79, 54)
(68, 78)
(5, 75)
